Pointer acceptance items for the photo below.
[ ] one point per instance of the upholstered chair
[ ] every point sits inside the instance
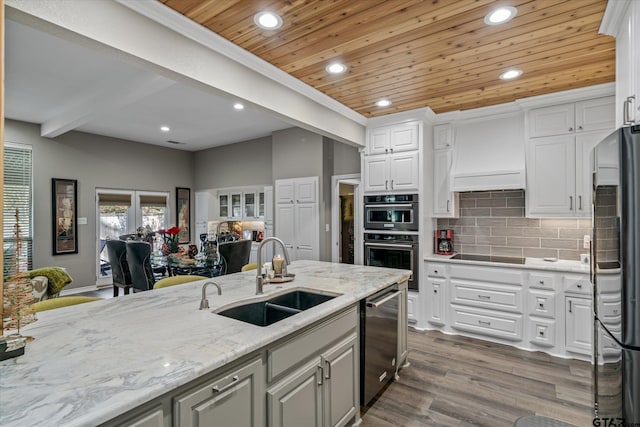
(139, 259)
(117, 253)
(235, 255)
(54, 303)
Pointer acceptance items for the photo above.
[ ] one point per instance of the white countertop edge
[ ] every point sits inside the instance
(530, 263)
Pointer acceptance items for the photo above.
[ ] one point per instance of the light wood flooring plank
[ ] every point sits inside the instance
(460, 381)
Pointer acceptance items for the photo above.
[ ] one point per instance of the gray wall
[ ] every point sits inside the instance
(95, 161)
(346, 159)
(235, 165)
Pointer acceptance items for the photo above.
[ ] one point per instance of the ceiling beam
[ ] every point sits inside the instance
(108, 98)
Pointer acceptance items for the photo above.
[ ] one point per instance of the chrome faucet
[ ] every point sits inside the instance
(204, 302)
(260, 280)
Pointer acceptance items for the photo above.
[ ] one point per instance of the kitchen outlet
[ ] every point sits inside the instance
(586, 241)
(327, 227)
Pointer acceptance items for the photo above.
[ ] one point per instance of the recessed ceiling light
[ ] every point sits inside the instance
(500, 15)
(336, 68)
(511, 74)
(267, 20)
(238, 106)
(165, 128)
(383, 103)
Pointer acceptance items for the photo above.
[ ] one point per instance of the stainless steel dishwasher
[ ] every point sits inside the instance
(378, 342)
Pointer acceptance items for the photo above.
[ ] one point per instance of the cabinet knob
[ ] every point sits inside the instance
(579, 285)
(570, 129)
(386, 150)
(435, 291)
(579, 127)
(541, 305)
(435, 271)
(541, 333)
(391, 149)
(542, 282)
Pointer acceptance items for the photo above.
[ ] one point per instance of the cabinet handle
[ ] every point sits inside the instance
(570, 129)
(435, 271)
(447, 205)
(570, 203)
(626, 115)
(386, 150)
(570, 306)
(541, 305)
(541, 333)
(392, 184)
(321, 374)
(391, 149)
(580, 202)
(486, 297)
(484, 322)
(579, 285)
(435, 291)
(328, 373)
(386, 181)
(542, 282)
(579, 127)
(217, 389)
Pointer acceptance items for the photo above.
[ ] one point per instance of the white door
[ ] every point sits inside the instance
(375, 173)
(404, 137)
(579, 325)
(595, 114)
(284, 227)
(306, 190)
(403, 171)
(378, 141)
(284, 191)
(306, 231)
(551, 175)
(435, 302)
(585, 144)
(555, 120)
(268, 204)
(442, 200)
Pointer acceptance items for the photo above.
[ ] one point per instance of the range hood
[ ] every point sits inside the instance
(489, 154)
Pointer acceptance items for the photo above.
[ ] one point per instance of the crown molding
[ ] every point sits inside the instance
(573, 95)
(613, 16)
(180, 24)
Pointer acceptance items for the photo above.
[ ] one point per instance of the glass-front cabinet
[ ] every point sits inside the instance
(236, 205)
(223, 203)
(249, 205)
(261, 204)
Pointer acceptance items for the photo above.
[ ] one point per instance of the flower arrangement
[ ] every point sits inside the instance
(170, 237)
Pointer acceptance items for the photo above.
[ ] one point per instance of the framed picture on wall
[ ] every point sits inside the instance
(64, 212)
(183, 212)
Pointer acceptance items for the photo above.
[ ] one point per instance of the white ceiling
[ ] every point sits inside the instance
(65, 86)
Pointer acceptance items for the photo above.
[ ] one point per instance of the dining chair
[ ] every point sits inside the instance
(177, 280)
(235, 255)
(120, 274)
(139, 259)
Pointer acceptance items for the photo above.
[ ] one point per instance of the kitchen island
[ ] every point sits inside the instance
(92, 363)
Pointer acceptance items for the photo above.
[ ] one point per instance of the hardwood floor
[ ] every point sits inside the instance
(460, 381)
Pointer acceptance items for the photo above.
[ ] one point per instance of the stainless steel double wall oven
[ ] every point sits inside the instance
(391, 233)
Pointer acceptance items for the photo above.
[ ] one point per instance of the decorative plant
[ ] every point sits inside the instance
(170, 237)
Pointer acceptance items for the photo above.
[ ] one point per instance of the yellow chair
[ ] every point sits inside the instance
(53, 303)
(176, 280)
(250, 266)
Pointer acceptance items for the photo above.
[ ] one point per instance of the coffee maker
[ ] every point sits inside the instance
(444, 242)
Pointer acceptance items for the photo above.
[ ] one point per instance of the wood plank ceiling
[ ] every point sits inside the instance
(436, 53)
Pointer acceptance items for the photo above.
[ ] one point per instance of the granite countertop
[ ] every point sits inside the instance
(92, 362)
(530, 263)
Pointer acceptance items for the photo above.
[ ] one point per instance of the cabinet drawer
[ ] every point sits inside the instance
(486, 295)
(542, 304)
(577, 284)
(542, 281)
(436, 270)
(296, 350)
(486, 274)
(487, 322)
(542, 332)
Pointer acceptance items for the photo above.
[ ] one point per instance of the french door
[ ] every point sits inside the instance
(120, 212)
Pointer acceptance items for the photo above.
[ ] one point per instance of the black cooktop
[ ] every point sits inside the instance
(489, 258)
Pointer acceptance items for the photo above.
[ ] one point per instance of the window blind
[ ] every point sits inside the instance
(17, 195)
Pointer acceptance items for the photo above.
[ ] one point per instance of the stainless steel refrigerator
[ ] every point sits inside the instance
(615, 270)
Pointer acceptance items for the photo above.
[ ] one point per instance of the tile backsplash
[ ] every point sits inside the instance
(493, 223)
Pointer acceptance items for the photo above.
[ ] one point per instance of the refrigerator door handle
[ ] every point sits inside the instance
(569, 306)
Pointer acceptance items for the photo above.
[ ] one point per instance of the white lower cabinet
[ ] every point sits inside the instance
(540, 310)
(233, 399)
(579, 325)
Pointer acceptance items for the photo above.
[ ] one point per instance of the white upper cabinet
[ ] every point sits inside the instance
(285, 192)
(560, 163)
(583, 116)
(445, 202)
(392, 160)
(622, 20)
(297, 216)
(443, 136)
(393, 139)
(305, 190)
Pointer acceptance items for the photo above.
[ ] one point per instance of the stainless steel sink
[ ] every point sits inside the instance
(276, 308)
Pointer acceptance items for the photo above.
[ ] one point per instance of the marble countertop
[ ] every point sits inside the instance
(530, 263)
(92, 362)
